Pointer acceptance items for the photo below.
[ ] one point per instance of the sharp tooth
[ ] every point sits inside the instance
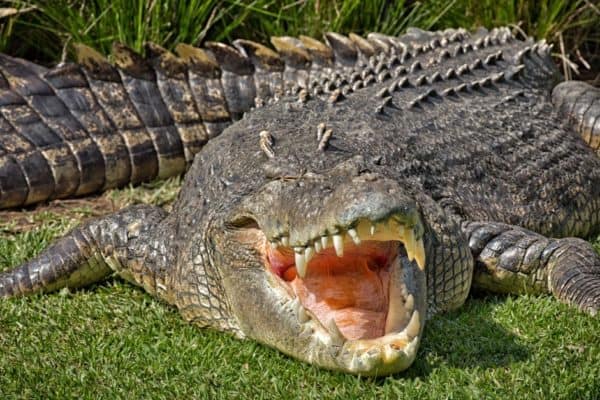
(300, 311)
(338, 244)
(398, 315)
(354, 235)
(300, 262)
(274, 245)
(409, 304)
(285, 241)
(324, 241)
(309, 252)
(318, 246)
(402, 232)
(410, 243)
(414, 325)
(302, 315)
(372, 229)
(420, 254)
(334, 331)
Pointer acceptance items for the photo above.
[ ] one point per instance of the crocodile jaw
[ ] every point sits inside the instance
(376, 332)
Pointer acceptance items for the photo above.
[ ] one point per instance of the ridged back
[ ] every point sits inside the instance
(81, 128)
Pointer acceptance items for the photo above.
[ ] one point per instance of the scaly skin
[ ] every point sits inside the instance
(81, 128)
(458, 161)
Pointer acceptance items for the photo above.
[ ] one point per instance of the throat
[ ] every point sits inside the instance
(354, 296)
(352, 290)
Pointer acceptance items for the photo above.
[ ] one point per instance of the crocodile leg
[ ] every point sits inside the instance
(579, 103)
(510, 259)
(120, 243)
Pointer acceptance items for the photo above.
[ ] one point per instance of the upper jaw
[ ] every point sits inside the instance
(392, 228)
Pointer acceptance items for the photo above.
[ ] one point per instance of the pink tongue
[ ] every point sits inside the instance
(353, 295)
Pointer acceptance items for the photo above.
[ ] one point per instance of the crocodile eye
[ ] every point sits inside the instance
(242, 222)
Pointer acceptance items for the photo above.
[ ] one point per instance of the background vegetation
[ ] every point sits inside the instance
(114, 341)
(43, 29)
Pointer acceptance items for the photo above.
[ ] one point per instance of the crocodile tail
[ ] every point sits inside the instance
(84, 127)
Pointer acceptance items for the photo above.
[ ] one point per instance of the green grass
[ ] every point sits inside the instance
(114, 341)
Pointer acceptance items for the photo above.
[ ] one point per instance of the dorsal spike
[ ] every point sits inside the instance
(415, 103)
(405, 57)
(94, 62)
(303, 96)
(450, 74)
(444, 54)
(420, 81)
(403, 82)
(335, 96)
(343, 48)
(198, 60)
(431, 94)
(318, 51)
(499, 77)
(449, 92)
(165, 61)
(229, 59)
(461, 88)
(357, 85)
(261, 56)
(514, 72)
(435, 77)
(486, 82)
(292, 51)
(381, 41)
(462, 69)
(387, 101)
(368, 80)
(393, 61)
(131, 62)
(362, 44)
(383, 76)
(401, 70)
(490, 59)
(434, 43)
(383, 93)
(416, 66)
(476, 64)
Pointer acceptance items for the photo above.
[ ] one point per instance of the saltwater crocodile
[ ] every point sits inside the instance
(372, 184)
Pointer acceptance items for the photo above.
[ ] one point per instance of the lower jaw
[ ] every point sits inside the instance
(383, 352)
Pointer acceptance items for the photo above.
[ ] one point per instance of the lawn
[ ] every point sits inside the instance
(113, 340)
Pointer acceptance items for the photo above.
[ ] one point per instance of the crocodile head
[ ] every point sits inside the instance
(328, 268)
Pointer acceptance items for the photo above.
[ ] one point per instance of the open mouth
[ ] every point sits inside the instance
(357, 283)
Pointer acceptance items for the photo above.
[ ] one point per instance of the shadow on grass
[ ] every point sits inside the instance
(468, 338)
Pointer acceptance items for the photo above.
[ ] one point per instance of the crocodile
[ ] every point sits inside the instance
(340, 194)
